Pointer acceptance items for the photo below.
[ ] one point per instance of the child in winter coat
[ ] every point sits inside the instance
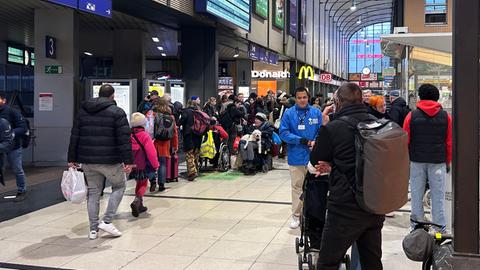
(145, 158)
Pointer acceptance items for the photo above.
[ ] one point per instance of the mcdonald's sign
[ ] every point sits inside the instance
(306, 72)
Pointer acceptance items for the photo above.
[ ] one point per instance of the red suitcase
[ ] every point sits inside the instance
(172, 169)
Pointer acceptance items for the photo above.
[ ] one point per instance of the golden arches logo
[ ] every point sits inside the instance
(306, 72)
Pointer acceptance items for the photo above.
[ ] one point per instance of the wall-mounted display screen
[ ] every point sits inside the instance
(303, 21)
(261, 8)
(15, 55)
(293, 18)
(279, 13)
(236, 12)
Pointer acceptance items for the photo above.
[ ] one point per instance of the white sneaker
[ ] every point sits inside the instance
(294, 222)
(93, 235)
(109, 228)
(390, 215)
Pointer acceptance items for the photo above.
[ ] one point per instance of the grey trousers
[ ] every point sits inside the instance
(95, 175)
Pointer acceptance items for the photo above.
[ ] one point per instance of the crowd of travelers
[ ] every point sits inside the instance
(314, 131)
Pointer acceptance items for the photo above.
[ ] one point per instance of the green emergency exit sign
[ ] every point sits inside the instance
(54, 69)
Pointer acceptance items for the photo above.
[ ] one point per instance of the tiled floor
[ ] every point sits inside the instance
(236, 227)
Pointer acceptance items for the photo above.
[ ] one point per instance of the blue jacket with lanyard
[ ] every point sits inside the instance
(298, 123)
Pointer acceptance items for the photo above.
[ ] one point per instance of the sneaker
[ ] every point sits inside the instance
(109, 228)
(93, 235)
(20, 197)
(192, 177)
(294, 222)
(161, 187)
(153, 186)
(390, 215)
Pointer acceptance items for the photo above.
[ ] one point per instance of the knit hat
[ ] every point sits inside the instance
(194, 98)
(138, 120)
(394, 93)
(261, 116)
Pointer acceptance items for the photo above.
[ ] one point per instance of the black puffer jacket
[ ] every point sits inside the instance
(100, 134)
(17, 122)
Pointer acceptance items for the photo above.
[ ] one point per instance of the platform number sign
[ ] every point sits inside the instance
(50, 47)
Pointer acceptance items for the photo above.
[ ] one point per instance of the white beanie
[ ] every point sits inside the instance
(138, 120)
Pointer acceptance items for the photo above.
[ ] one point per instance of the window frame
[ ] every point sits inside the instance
(426, 5)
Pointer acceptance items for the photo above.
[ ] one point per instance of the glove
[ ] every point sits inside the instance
(449, 168)
(304, 141)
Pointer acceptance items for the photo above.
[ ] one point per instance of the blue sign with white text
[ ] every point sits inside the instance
(98, 7)
(68, 3)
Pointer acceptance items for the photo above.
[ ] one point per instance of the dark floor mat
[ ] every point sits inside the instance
(38, 197)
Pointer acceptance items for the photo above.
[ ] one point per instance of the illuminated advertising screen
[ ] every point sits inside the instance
(261, 8)
(279, 13)
(293, 18)
(303, 21)
(236, 12)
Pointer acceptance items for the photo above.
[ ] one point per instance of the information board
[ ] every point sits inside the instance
(293, 18)
(98, 7)
(125, 93)
(158, 86)
(68, 3)
(177, 91)
(279, 13)
(261, 8)
(236, 12)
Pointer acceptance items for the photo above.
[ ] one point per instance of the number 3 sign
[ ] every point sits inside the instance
(50, 47)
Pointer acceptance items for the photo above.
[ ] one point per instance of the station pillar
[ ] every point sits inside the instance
(55, 89)
(200, 62)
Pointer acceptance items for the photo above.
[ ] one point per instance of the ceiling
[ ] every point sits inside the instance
(17, 25)
(367, 12)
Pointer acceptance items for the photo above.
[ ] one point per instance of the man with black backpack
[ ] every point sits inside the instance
(430, 144)
(399, 108)
(356, 204)
(14, 156)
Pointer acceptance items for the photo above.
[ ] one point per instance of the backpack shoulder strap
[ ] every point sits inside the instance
(139, 143)
(350, 121)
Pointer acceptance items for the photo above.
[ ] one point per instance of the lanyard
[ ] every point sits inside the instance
(301, 118)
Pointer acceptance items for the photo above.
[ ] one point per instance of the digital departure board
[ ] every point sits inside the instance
(236, 12)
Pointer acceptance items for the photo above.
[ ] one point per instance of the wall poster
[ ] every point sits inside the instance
(293, 18)
(279, 13)
(261, 8)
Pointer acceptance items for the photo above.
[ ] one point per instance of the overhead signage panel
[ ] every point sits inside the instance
(261, 8)
(68, 3)
(236, 12)
(98, 7)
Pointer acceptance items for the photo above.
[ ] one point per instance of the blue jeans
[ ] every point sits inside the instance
(355, 258)
(435, 174)
(162, 170)
(14, 159)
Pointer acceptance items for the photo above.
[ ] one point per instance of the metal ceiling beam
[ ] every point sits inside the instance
(352, 30)
(357, 4)
(365, 11)
(349, 25)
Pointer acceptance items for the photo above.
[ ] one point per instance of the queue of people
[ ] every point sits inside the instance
(316, 134)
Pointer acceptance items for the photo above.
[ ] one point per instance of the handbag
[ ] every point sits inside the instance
(278, 122)
(73, 186)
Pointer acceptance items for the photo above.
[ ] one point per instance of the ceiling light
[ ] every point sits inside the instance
(353, 7)
(164, 54)
(160, 48)
(88, 53)
(359, 21)
(155, 39)
(237, 53)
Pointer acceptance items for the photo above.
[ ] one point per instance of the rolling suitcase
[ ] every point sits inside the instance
(172, 169)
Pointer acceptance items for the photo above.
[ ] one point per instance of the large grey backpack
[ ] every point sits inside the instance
(382, 165)
(164, 127)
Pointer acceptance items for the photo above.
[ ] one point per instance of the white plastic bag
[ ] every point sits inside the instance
(73, 186)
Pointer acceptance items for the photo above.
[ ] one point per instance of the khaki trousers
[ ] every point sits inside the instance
(297, 174)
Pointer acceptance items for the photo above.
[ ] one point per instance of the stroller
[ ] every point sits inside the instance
(315, 193)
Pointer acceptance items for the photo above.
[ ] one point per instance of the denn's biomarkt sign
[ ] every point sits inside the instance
(270, 74)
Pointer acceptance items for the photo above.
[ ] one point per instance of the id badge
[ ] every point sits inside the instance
(301, 127)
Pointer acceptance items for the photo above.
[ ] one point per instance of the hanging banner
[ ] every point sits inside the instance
(279, 14)
(293, 18)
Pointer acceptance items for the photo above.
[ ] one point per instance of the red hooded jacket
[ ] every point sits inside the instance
(432, 108)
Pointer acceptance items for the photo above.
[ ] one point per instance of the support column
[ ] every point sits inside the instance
(53, 127)
(200, 62)
(129, 57)
(466, 112)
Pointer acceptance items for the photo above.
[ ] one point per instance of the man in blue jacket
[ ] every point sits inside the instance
(298, 129)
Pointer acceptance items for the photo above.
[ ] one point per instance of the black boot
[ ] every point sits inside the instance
(142, 208)
(153, 186)
(135, 205)
(161, 187)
